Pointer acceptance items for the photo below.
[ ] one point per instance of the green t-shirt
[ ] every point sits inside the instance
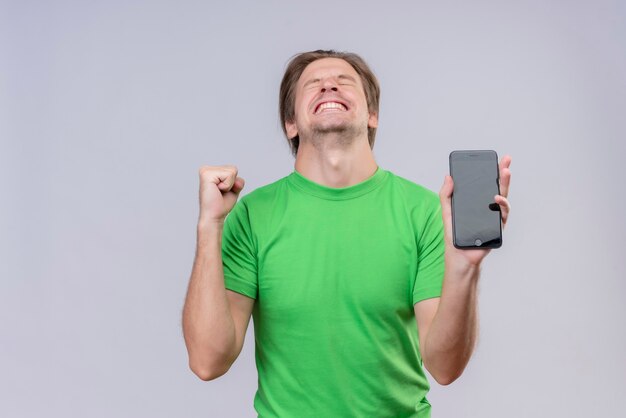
(335, 273)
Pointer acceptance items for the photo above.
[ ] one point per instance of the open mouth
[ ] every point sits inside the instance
(330, 107)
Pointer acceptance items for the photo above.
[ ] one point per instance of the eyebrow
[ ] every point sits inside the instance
(340, 76)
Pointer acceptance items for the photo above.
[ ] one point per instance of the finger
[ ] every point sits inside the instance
(225, 179)
(505, 207)
(505, 175)
(222, 176)
(505, 161)
(505, 181)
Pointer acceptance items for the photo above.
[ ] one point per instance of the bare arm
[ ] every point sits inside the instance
(214, 319)
(448, 326)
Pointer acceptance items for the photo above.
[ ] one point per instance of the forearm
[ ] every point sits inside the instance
(208, 325)
(452, 334)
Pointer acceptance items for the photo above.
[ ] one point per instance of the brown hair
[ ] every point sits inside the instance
(296, 66)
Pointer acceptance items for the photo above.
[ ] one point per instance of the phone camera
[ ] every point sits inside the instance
(478, 242)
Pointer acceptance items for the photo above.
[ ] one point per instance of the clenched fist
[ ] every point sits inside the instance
(219, 190)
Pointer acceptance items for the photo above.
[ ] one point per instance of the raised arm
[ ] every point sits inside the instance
(448, 326)
(215, 319)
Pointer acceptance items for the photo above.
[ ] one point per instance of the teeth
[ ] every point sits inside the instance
(330, 105)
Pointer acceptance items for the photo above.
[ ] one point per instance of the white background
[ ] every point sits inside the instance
(108, 109)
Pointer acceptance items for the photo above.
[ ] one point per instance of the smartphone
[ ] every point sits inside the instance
(476, 218)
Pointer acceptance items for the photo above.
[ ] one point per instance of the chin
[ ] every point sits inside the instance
(346, 131)
(332, 126)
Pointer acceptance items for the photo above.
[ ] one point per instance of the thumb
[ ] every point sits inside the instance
(445, 195)
(233, 194)
(238, 185)
(446, 189)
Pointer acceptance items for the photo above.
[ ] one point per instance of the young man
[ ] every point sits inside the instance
(341, 264)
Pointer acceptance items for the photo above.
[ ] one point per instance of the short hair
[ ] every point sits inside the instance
(296, 66)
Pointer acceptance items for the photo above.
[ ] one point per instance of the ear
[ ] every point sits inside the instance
(291, 128)
(372, 121)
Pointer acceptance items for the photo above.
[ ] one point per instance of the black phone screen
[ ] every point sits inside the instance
(476, 218)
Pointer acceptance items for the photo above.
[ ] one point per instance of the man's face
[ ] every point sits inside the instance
(330, 98)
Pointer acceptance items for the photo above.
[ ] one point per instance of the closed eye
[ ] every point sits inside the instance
(311, 83)
(346, 80)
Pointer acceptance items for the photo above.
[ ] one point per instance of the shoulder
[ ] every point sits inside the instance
(264, 194)
(414, 194)
(423, 207)
(259, 204)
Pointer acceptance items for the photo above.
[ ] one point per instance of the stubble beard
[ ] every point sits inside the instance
(341, 136)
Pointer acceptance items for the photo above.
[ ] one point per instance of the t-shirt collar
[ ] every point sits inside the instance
(337, 193)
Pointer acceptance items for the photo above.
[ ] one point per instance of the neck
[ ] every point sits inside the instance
(334, 162)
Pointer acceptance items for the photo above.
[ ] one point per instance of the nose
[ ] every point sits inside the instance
(329, 85)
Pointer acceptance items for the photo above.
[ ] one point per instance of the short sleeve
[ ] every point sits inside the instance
(238, 252)
(430, 254)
